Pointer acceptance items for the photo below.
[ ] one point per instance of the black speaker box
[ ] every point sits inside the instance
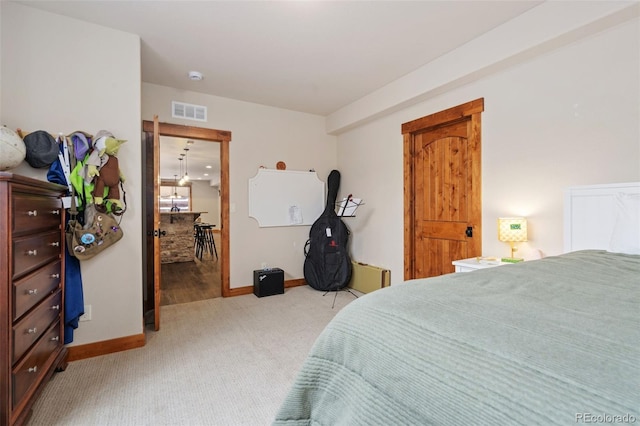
(267, 282)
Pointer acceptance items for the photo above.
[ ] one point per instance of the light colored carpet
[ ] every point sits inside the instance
(215, 362)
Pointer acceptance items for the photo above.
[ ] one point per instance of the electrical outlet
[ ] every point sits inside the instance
(87, 314)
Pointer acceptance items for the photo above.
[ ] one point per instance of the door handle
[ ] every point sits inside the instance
(469, 231)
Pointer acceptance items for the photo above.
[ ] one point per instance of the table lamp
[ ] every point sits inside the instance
(512, 230)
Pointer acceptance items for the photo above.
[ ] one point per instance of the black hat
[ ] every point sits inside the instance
(42, 149)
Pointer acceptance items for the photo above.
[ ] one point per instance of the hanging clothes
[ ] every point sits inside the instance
(59, 172)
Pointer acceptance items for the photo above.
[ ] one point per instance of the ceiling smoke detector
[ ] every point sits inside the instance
(195, 76)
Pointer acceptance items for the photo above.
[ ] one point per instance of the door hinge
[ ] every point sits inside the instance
(469, 231)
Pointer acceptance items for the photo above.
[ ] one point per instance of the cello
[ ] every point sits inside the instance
(327, 264)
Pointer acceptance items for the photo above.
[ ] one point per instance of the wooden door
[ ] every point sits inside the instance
(442, 190)
(157, 267)
(151, 247)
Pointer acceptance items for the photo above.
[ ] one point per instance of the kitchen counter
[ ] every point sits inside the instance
(177, 244)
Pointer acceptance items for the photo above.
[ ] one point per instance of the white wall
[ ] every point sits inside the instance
(261, 136)
(62, 75)
(567, 117)
(206, 198)
(1, 123)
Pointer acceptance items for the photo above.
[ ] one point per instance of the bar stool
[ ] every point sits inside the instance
(210, 242)
(203, 240)
(198, 240)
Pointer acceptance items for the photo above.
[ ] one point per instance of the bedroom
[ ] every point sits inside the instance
(568, 116)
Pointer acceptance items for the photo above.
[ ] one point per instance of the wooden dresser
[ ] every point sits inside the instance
(31, 292)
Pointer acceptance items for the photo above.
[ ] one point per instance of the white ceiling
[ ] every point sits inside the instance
(308, 56)
(199, 156)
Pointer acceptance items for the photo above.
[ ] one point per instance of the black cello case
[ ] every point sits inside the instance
(327, 265)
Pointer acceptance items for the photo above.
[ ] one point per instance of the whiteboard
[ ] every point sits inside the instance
(285, 198)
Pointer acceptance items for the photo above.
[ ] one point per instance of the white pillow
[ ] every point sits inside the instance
(626, 231)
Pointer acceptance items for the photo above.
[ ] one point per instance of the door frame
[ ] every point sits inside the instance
(468, 111)
(223, 137)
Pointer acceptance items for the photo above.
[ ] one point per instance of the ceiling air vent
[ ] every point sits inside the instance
(188, 111)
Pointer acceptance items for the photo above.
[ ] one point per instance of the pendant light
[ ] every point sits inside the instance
(175, 184)
(186, 165)
(181, 182)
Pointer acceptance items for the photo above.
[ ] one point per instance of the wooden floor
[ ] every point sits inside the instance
(191, 281)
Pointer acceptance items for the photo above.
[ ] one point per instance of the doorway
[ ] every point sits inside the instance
(442, 190)
(152, 130)
(189, 182)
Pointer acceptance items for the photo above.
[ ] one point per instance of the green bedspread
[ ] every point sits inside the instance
(552, 341)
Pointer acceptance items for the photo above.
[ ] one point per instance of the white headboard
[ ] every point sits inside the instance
(590, 214)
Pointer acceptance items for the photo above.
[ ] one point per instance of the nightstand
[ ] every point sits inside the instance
(475, 263)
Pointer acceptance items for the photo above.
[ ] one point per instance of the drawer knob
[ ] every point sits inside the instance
(55, 244)
(33, 330)
(55, 276)
(32, 253)
(55, 307)
(33, 369)
(55, 339)
(32, 212)
(32, 291)
(55, 211)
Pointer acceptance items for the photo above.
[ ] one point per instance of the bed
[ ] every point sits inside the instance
(550, 341)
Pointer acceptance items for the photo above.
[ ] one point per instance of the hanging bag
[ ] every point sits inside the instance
(100, 231)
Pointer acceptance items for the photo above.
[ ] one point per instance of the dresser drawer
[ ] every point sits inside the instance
(34, 251)
(31, 327)
(31, 213)
(35, 364)
(33, 288)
